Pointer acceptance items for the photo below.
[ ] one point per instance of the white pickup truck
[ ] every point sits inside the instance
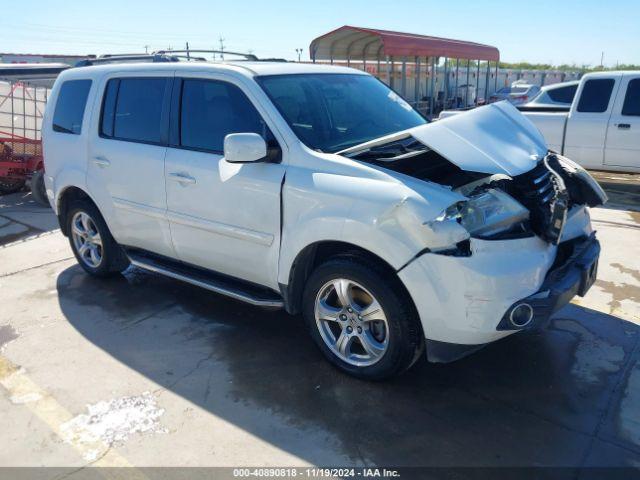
(601, 130)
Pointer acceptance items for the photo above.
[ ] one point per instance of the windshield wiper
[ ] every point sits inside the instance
(390, 152)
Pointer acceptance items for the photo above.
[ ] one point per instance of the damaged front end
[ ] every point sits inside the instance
(518, 239)
(497, 206)
(536, 202)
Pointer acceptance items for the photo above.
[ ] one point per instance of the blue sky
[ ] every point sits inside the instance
(558, 31)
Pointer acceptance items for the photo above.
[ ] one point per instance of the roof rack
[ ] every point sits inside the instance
(187, 53)
(126, 58)
(159, 56)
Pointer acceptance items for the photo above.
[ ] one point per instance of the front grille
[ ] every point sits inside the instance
(542, 192)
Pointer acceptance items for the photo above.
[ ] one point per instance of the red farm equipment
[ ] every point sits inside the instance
(24, 89)
(21, 164)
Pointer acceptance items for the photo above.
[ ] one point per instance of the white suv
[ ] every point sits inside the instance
(319, 190)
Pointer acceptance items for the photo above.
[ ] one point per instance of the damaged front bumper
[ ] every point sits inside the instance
(573, 273)
(466, 302)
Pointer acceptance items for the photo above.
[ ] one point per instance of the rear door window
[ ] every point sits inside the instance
(631, 104)
(72, 99)
(133, 109)
(596, 95)
(563, 94)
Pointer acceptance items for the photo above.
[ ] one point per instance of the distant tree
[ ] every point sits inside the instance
(565, 67)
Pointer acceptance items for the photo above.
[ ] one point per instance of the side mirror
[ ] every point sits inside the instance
(244, 148)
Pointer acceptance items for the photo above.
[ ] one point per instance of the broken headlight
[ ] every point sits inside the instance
(583, 188)
(487, 213)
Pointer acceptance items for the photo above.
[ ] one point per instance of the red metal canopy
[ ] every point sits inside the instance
(357, 43)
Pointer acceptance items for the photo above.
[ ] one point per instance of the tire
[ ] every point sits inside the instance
(109, 258)
(393, 332)
(38, 190)
(8, 186)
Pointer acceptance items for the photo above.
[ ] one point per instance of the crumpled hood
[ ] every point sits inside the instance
(495, 138)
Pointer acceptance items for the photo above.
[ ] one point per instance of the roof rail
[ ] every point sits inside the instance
(159, 56)
(187, 53)
(126, 58)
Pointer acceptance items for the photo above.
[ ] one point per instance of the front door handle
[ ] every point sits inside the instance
(623, 126)
(101, 162)
(182, 178)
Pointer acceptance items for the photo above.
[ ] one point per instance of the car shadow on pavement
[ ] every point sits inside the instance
(557, 398)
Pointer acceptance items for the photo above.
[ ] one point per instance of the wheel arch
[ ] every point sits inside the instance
(65, 199)
(318, 252)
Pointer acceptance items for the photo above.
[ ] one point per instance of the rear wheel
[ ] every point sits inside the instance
(38, 190)
(93, 246)
(362, 320)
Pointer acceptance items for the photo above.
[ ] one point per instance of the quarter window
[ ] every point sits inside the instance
(596, 95)
(631, 104)
(72, 99)
(211, 110)
(133, 109)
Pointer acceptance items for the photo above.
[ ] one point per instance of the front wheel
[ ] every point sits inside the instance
(362, 319)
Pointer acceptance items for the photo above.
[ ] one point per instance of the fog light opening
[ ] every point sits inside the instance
(521, 315)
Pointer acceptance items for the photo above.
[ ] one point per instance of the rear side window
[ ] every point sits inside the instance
(596, 95)
(563, 94)
(72, 99)
(211, 110)
(133, 109)
(631, 105)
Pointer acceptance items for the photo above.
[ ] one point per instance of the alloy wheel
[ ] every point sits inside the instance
(86, 239)
(351, 322)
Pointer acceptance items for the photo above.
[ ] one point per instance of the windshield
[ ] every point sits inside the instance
(331, 112)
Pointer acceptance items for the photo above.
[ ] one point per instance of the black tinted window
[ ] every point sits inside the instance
(595, 95)
(109, 108)
(138, 109)
(211, 110)
(67, 117)
(632, 99)
(564, 94)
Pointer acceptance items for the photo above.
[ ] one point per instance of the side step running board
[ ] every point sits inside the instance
(231, 287)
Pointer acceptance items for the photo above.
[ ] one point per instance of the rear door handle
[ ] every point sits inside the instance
(182, 178)
(623, 126)
(101, 162)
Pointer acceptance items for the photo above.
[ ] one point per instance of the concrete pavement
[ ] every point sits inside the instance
(142, 370)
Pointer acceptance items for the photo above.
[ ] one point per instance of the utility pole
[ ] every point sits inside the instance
(146, 49)
(187, 48)
(602, 60)
(221, 47)
(299, 52)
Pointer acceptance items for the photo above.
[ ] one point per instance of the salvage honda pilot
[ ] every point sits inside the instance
(319, 190)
